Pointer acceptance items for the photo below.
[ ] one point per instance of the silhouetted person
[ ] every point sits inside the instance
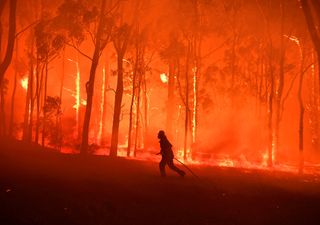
(167, 155)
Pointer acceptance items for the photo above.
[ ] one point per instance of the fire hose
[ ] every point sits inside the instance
(187, 168)
(184, 166)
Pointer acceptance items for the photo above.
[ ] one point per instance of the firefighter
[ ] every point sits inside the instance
(167, 156)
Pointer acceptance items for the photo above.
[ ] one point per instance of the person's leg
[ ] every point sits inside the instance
(162, 165)
(173, 167)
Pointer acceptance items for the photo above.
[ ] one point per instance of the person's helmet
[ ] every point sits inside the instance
(161, 134)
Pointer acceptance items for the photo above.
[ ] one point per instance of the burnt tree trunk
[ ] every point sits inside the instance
(301, 120)
(11, 123)
(312, 26)
(2, 110)
(8, 54)
(44, 124)
(90, 83)
(2, 6)
(38, 98)
(11, 40)
(117, 107)
(132, 102)
(146, 124)
(270, 117)
(28, 111)
(171, 99)
(186, 124)
(137, 114)
(120, 43)
(280, 82)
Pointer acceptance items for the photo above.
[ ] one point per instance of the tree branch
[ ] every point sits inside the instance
(78, 50)
(26, 28)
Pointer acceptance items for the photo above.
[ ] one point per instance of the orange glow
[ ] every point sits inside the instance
(225, 88)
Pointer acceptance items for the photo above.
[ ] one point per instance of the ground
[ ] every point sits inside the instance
(40, 186)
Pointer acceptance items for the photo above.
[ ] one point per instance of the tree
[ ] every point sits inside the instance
(48, 46)
(11, 39)
(120, 39)
(4, 64)
(78, 19)
(311, 12)
(52, 119)
(312, 16)
(100, 43)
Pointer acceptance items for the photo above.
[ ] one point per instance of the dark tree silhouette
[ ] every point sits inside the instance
(11, 40)
(76, 18)
(120, 41)
(4, 64)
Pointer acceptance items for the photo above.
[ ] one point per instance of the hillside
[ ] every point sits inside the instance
(40, 186)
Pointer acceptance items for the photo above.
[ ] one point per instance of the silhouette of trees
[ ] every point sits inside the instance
(78, 20)
(312, 16)
(220, 59)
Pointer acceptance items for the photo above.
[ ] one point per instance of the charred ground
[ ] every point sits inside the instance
(40, 186)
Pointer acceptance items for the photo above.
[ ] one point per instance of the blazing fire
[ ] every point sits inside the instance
(228, 97)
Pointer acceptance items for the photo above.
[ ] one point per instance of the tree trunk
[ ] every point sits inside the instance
(38, 98)
(301, 120)
(171, 100)
(90, 89)
(2, 6)
(90, 83)
(27, 124)
(2, 112)
(186, 124)
(280, 83)
(270, 119)
(137, 115)
(132, 101)
(45, 99)
(58, 121)
(312, 27)
(146, 124)
(117, 107)
(8, 55)
(11, 40)
(11, 124)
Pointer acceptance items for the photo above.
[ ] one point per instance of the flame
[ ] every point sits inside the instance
(102, 104)
(77, 95)
(24, 83)
(226, 163)
(164, 78)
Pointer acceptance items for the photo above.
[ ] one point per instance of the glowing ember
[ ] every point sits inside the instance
(24, 83)
(164, 78)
